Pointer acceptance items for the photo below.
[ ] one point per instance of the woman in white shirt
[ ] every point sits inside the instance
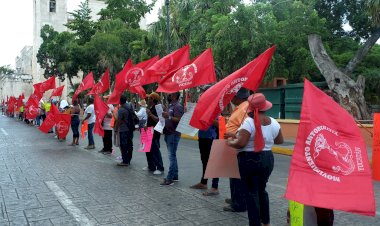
(254, 141)
(141, 114)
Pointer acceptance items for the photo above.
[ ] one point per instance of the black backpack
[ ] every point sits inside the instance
(133, 120)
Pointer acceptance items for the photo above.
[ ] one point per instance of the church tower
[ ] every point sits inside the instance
(53, 13)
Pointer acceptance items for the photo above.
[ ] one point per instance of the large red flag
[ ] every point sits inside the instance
(45, 86)
(100, 111)
(120, 84)
(199, 72)
(136, 74)
(87, 83)
(63, 122)
(48, 123)
(213, 101)
(103, 85)
(329, 167)
(57, 92)
(167, 64)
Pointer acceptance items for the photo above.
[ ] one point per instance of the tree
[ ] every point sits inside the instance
(81, 24)
(341, 80)
(6, 70)
(128, 11)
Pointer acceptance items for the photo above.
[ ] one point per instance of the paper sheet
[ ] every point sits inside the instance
(184, 124)
(146, 137)
(161, 123)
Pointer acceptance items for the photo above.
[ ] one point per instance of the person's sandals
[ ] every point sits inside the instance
(199, 186)
(210, 193)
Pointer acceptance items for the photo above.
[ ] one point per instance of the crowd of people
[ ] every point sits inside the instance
(248, 130)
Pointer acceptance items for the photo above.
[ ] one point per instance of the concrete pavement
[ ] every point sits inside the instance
(46, 182)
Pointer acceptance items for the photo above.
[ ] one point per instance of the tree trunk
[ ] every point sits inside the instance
(349, 92)
(363, 51)
(71, 82)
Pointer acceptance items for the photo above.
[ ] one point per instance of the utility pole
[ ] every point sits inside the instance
(167, 27)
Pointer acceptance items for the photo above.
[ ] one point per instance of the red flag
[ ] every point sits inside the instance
(63, 122)
(45, 86)
(199, 72)
(329, 167)
(31, 109)
(100, 111)
(120, 84)
(103, 85)
(166, 65)
(57, 92)
(34, 98)
(87, 83)
(213, 100)
(136, 74)
(48, 123)
(139, 90)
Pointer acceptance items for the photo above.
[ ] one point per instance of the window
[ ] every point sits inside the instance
(52, 6)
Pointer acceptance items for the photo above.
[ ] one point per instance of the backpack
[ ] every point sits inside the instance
(133, 120)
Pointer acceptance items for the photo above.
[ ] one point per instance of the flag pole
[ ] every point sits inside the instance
(365, 128)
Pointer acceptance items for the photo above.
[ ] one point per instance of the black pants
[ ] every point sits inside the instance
(255, 169)
(126, 146)
(107, 141)
(205, 149)
(154, 157)
(75, 127)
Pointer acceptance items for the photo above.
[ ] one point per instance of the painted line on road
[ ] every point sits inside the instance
(68, 204)
(5, 132)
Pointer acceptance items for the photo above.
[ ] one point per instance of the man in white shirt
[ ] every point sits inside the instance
(107, 139)
(90, 116)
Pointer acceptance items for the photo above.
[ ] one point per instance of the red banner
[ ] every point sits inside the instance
(100, 111)
(62, 124)
(45, 86)
(213, 100)
(329, 167)
(120, 84)
(87, 83)
(103, 85)
(199, 72)
(57, 92)
(167, 65)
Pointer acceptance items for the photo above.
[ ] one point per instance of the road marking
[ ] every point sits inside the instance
(5, 132)
(68, 204)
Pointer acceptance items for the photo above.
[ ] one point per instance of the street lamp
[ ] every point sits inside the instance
(167, 27)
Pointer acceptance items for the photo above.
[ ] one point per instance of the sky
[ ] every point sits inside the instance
(16, 23)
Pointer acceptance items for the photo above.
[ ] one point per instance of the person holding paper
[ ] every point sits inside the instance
(254, 142)
(237, 202)
(154, 157)
(172, 137)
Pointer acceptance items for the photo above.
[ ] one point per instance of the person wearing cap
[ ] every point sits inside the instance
(254, 141)
(172, 137)
(205, 139)
(107, 138)
(237, 203)
(154, 157)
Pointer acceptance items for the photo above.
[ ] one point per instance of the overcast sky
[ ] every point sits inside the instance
(16, 23)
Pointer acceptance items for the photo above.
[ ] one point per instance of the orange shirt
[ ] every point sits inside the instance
(237, 117)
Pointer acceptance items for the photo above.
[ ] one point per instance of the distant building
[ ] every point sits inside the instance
(24, 61)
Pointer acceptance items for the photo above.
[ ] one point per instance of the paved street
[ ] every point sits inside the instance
(46, 182)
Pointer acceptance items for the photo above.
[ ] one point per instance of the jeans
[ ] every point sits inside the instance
(107, 141)
(255, 169)
(75, 127)
(126, 146)
(172, 141)
(205, 149)
(238, 191)
(90, 134)
(154, 157)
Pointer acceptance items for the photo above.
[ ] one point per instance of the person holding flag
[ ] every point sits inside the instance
(172, 137)
(254, 141)
(90, 116)
(107, 138)
(75, 111)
